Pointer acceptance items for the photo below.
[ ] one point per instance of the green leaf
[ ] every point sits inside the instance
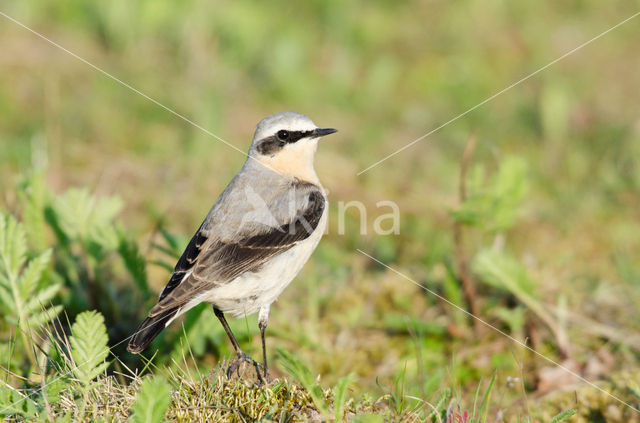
(34, 196)
(301, 373)
(89, 346)
(502, 271)
(102, 230)
(42, 299)
(295, 368)
(81, 216)
(22, 292)
(152, 400)
(514, 317)
(13, 246)
(53, 387)
(12, 403)
(339, 396)
(73, 210)
(440, 405)
(176, 245)
(494, 205)
(45, 316)
(6, 299)
(29, 279)
(484, 407)
(564, 415)
(135, 263)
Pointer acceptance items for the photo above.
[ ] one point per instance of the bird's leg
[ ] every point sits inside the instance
(220, 315)
(263, 318)
(241, 356)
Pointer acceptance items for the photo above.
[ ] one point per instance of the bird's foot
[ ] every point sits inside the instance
(265, 375)
(242, 357)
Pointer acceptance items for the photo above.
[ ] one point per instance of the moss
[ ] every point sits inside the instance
(212, 398)
(594, 405)
(238, 400)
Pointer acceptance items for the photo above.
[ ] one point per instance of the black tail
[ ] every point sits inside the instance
(148, 330)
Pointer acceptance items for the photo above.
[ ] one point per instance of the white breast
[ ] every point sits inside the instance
(252, 290)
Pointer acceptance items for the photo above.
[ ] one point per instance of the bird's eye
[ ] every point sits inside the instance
(283, 135)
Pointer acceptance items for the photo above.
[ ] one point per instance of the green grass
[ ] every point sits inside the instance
(107, 187)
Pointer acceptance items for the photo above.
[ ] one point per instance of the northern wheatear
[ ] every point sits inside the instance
(256, 237)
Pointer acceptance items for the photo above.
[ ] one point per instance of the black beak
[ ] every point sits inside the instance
(321, 132)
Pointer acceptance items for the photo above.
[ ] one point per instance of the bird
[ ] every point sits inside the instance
(255, 239)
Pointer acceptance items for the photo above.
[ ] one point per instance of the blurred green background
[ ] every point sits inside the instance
(551, 227)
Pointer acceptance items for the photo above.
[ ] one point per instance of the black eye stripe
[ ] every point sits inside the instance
(297, 135)
(270, 145)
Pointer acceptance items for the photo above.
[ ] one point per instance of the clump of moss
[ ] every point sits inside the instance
(107, 400)
(240, 399)
(217, 398)
(195, 398)
(188, 396)
(595, 405)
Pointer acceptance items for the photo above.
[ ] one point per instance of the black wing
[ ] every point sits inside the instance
(214, 264)
(185, 263)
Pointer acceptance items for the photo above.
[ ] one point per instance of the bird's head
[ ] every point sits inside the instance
(286, 142)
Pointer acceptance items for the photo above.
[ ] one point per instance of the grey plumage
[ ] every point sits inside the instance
(262, 228)
(224, 248)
